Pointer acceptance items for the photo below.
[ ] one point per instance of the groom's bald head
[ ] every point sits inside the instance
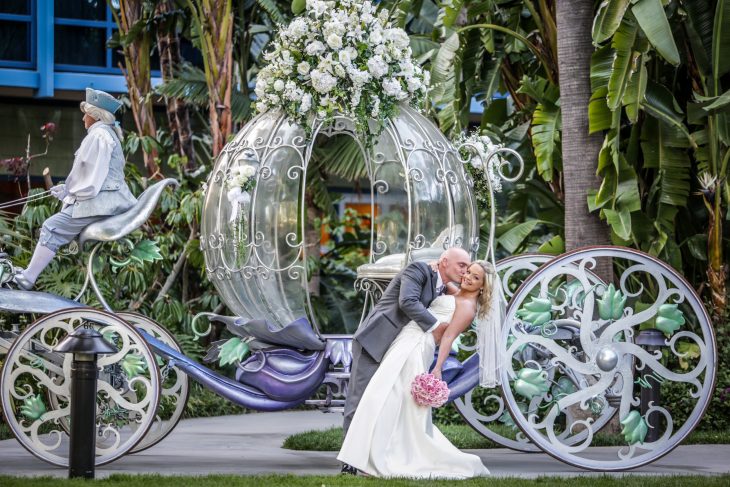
(453, 264)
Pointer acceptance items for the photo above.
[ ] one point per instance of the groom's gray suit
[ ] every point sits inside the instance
(406, 299)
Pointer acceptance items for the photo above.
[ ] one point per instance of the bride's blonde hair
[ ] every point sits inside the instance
(485, 294)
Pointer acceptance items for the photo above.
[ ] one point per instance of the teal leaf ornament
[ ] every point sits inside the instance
(635, 428)
(563, 387)
(612, 303)
(133, 364)
(669, 319)
(234, 350)
(531, 382)
(33, 407)
(537, 312)
(145, 251)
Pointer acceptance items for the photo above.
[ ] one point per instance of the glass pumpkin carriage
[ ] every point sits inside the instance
(578, 350)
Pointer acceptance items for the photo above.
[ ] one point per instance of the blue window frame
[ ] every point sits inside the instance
(60, 45)
(17, 34)
(81, 29)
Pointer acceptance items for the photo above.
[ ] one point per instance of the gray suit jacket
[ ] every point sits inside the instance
(406, 299)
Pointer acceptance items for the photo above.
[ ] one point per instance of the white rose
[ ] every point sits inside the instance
(344, 57)
(279, 85)
(340, 71)
(334, 41)
(315, 48)
(358, 77)
(303, 68)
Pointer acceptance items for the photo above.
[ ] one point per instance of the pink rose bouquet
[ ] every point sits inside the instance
(427, 390)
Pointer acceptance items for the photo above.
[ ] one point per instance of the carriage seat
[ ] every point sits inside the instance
(117, 226)
(386, 268)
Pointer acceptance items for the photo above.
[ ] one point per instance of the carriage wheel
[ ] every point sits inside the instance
(484, 409)
(175, 383)
(641, 344)
(35, 387)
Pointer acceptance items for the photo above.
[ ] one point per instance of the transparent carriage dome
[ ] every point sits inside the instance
(257, 242)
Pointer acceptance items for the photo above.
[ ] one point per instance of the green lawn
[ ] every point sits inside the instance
(464, 437)
(341, 480)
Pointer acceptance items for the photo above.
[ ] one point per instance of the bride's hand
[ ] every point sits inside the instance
(437, 373)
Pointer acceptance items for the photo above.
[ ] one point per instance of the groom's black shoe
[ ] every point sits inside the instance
(348, 469)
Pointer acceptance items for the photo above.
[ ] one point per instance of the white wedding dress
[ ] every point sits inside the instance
(390, 435)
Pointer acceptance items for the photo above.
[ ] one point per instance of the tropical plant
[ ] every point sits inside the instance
(135, 39)
(657, 77)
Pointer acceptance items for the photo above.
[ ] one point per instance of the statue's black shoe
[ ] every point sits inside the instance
(348, 469)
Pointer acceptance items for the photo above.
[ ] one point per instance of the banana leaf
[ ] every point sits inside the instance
(653, 22)
(610, 14)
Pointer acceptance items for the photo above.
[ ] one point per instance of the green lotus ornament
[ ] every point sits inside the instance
(133, 364)
(531, 382)
(537, 312)
(612, 303)
(635, 428)
(669, 318)
(234, 350)
(33, 407)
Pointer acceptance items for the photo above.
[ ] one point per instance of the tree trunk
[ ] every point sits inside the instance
(178, 117)
(214, 20)
(580, 150)
(138, 76)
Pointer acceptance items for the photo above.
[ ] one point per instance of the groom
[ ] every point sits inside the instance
(406, 299)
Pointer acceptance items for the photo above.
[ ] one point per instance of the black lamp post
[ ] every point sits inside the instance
(652, 340)
(85, 343)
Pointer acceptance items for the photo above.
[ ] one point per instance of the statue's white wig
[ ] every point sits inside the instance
(101, 115)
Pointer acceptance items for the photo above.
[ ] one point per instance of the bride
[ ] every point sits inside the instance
(390, 435)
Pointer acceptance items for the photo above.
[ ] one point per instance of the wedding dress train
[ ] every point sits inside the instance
(390, 435)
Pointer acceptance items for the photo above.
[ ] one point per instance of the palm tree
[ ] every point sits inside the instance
(580, 149)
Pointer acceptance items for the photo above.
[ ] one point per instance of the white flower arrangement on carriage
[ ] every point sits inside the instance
(573, 343)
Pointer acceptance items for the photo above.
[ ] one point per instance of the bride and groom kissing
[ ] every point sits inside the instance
(387, 434)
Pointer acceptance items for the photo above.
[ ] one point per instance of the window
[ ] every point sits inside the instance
(81, 28)
(16, 34)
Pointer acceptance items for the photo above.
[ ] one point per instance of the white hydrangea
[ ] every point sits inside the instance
(306, 103)
(298, 28)
(377, 67)
(322, 82)
(392, 87)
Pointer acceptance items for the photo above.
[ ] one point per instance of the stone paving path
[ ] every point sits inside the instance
(251, 444)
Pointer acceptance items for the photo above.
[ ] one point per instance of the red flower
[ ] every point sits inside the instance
(14, 165)
(48, 129)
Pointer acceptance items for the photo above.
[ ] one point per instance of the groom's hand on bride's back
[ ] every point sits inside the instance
(438, 332)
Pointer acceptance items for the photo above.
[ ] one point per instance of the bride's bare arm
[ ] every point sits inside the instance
(463, 317)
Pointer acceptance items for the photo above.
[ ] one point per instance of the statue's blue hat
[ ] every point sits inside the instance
(102, 100)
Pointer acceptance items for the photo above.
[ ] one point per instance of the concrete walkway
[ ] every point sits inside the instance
(251, 444)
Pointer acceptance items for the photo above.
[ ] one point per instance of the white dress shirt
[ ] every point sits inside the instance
(439, 283)
(91, 165)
